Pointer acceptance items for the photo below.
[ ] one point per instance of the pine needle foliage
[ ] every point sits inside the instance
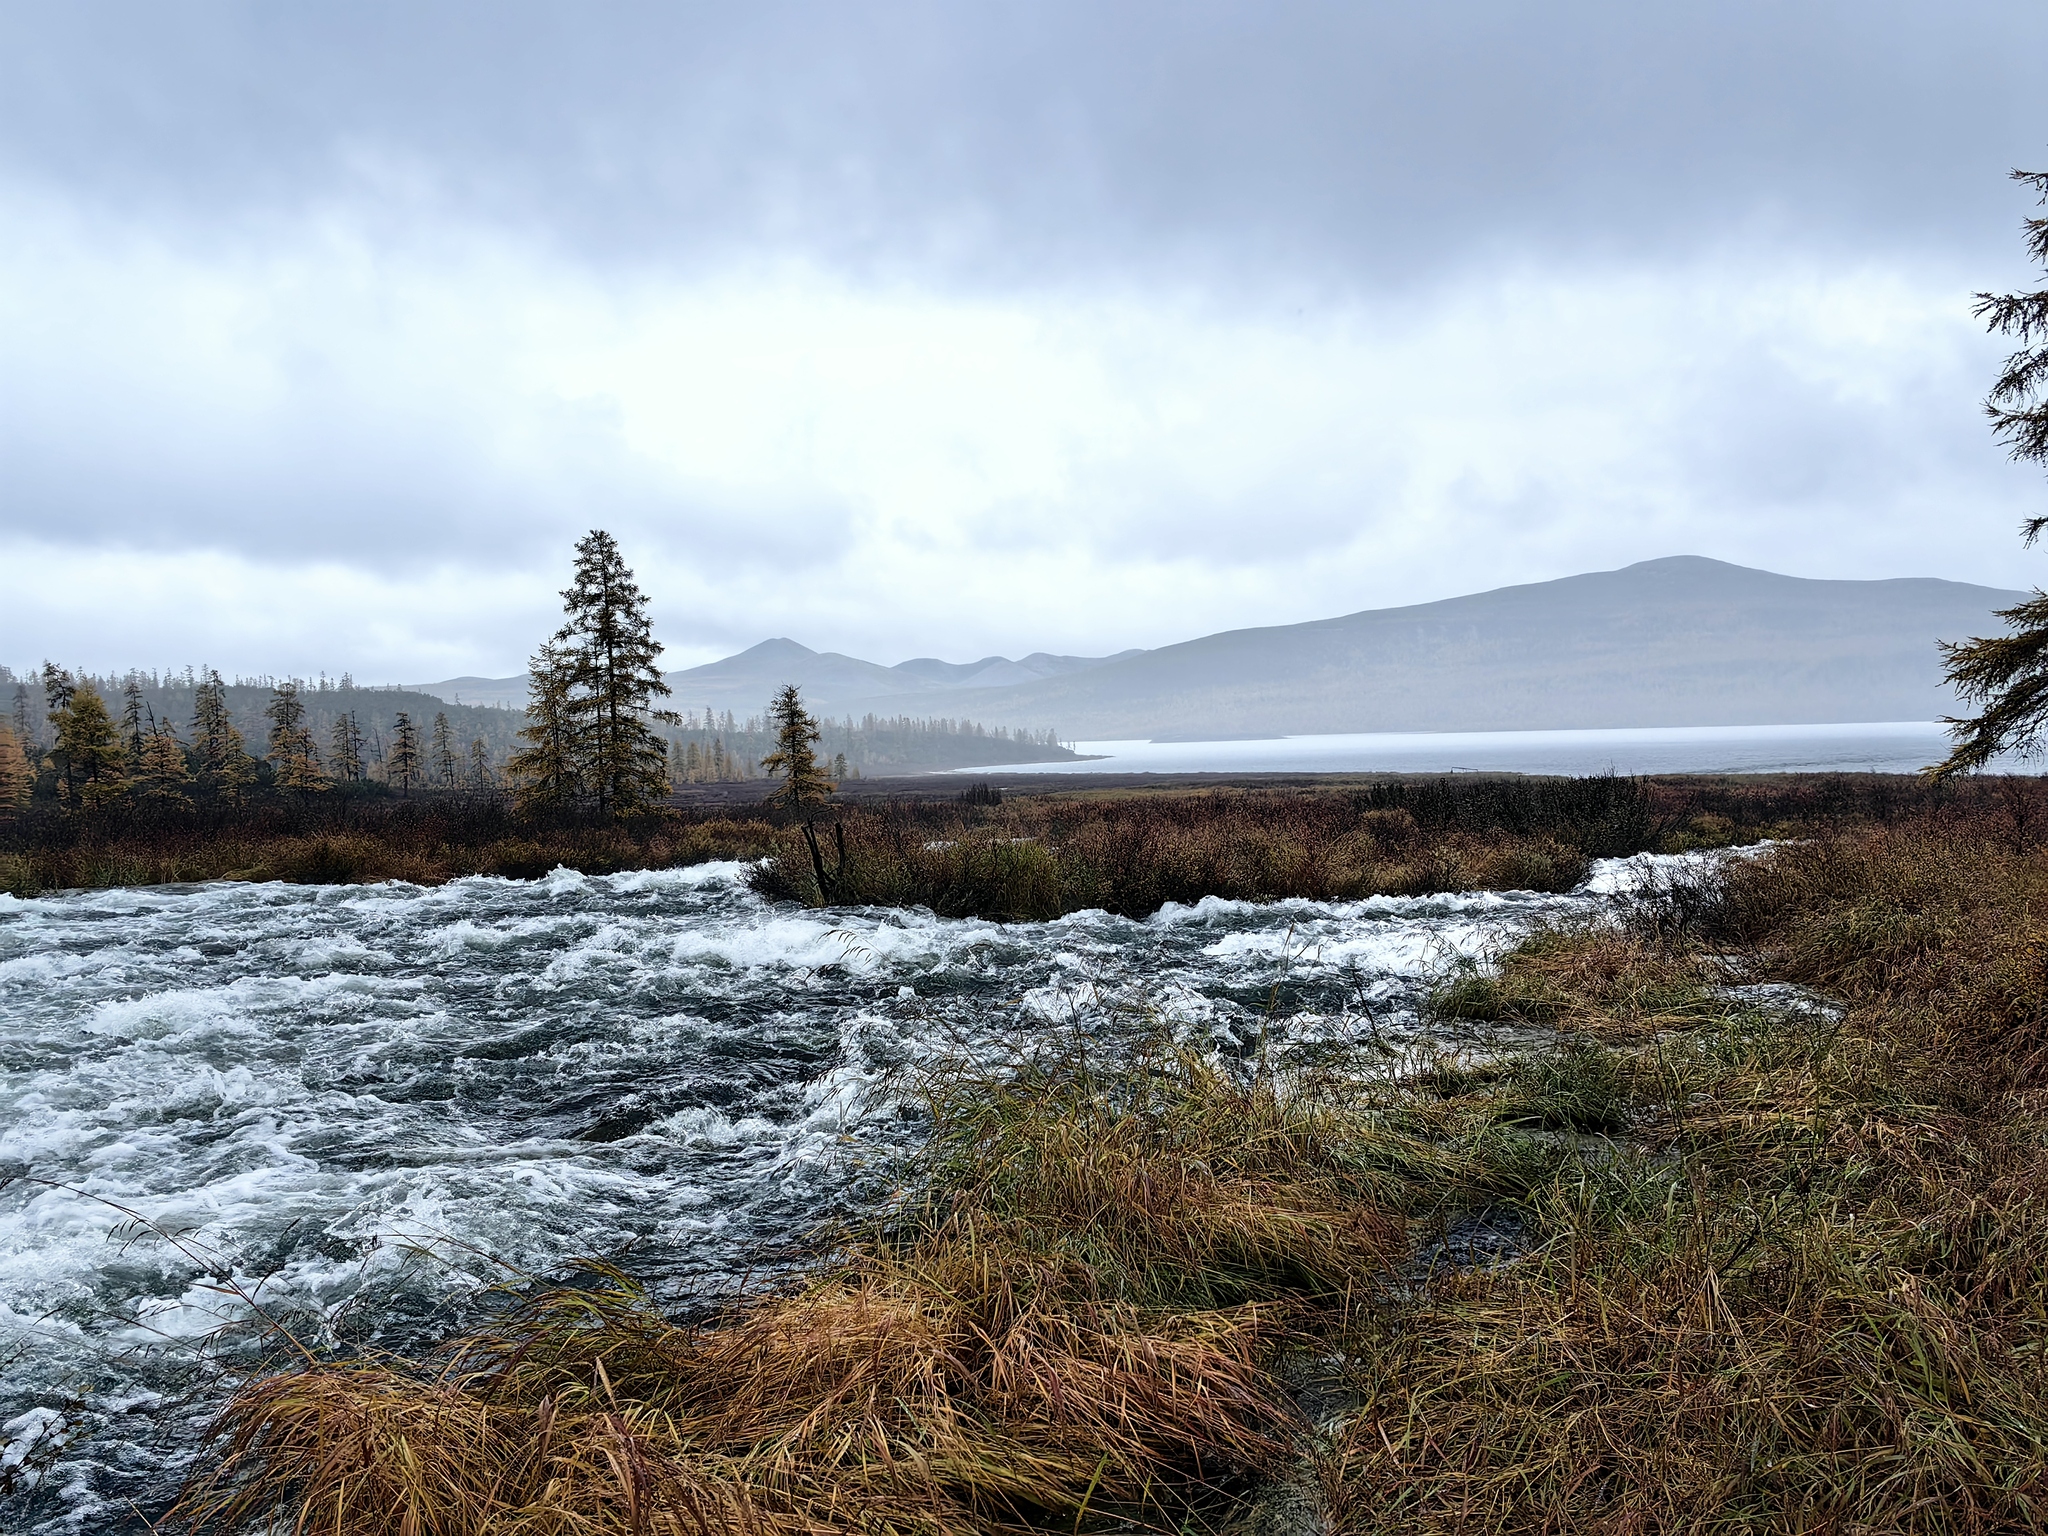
(2008, 674)
(163, 776)
(547, 772)
(223, 765)
(804, 783)
(402, 763)
(87, 754)
(345, 748)
(293, 753)
(609, 639)
(447, 769)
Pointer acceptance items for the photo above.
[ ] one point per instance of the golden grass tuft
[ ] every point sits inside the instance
(1076, 1320)
(1782, 1267)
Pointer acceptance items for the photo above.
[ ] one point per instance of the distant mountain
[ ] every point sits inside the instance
(833, 684)
(1679, 641)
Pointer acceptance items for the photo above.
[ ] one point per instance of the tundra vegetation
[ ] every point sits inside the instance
(1736, 1223)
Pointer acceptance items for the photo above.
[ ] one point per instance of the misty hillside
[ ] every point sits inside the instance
(833, 685)
(1679, 641)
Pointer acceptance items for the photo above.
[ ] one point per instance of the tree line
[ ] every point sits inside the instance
(62, 741)
(596, 735)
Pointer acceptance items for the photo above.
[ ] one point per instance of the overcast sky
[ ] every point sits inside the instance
(963, 328)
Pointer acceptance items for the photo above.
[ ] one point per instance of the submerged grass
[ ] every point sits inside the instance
(1779, 1262)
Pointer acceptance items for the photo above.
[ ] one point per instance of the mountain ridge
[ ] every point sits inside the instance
(1682, 640)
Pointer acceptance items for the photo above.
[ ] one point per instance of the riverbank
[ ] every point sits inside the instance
(1029, 847)
(1734, 1221)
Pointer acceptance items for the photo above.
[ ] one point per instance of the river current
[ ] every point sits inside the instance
(352, 1108)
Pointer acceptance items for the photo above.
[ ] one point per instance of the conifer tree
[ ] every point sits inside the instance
(623, 764)
(402, 765)
(133, 730)
(163, 775)
(345, 748)
(26, 736)
(481, 774)
(292, 750)
(2008, 674)
(545, 772)
(447, 771)
(87, 753)
(224, 766)
(803, 782)
(15, 779)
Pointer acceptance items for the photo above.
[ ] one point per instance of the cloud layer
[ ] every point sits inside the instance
(909, 329)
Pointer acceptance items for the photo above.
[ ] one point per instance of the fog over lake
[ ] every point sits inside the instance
(1886, 746)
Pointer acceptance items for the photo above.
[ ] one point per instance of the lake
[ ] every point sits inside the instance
(1888, 746)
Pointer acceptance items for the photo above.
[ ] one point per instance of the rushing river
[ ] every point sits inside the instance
(355, 1106)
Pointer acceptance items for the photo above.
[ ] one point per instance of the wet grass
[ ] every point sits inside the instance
(346, 839)
(1777, 1262)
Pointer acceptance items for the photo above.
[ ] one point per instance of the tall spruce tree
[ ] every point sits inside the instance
(2008, 674)
(481, 775)
(609, 638)
(545, 774)
(402, 764)
(224, 768)
(804, 783)
(134, 728)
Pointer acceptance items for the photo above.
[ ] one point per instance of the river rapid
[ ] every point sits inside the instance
(352, 1108)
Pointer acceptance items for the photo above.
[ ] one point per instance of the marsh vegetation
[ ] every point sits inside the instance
(1736, 1224)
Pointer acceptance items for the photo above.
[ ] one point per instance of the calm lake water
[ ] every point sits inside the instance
(1893, 746)
(351, 1103)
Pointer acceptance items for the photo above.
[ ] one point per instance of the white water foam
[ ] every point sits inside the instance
(355, 1104)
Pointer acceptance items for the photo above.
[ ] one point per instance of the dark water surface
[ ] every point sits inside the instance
(354, 1104)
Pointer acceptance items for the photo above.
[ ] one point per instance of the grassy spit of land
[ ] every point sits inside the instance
(1777, 1265)
(1030, 856)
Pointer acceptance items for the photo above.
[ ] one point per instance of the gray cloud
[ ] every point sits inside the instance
(1327, 143)
(903, 327)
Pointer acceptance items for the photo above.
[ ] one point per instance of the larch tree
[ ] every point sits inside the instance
(293, 754)
(345, 748)
(2007, 675)
(16, 781)
(481, 775)
(223, 765)
(610, 643)
(163, 775)
(804, 783)
(402, 763)
(26, 736)
(447, 770)
(546, 774)
(87, 754)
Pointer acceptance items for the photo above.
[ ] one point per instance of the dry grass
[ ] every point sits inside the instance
(1075, 1320)
(1785, 1268)
(1809, 1290)
(426, 844)
(1044, 856)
